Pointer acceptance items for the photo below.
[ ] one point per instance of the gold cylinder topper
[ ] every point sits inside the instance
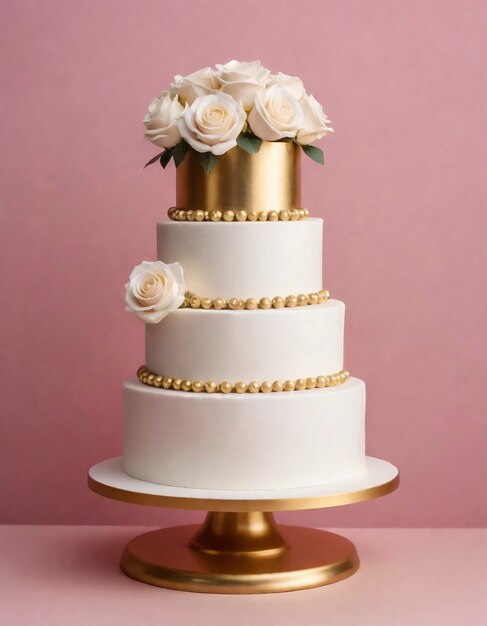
(269, 180)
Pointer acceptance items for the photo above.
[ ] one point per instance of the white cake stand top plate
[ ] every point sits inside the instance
(108, 479)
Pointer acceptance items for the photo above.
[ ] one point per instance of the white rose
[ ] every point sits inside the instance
(212, 123)
(154, 290)
(276, 114)
(194, 85)
(161, 120)
(293, 84)
(243, 80)
(315, 123)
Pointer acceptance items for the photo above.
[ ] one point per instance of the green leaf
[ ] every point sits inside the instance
(154, 159)
(208, 160)
(166, 157)
(249, 143)
(179, 152)
(314, 153)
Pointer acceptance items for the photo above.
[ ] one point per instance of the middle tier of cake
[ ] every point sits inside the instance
(260, 345)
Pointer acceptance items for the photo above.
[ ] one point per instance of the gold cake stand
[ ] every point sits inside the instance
(239, 548)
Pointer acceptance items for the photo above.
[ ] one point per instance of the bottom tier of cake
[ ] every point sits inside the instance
(261, 441)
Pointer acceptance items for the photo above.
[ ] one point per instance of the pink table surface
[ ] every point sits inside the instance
(68, 575)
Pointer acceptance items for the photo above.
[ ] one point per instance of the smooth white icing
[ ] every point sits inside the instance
(299, 342)
(261, 441)
(245, 260)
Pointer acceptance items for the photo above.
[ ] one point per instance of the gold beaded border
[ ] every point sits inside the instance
(188, 215)
(192, 301)
(147, 377)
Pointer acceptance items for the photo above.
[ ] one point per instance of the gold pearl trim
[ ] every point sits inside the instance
(192, 301)
(197, 386)
(188, 215)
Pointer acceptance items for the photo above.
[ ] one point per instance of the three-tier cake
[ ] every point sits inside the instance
(243, 385)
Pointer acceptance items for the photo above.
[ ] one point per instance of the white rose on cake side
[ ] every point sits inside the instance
(243, 80)
(154, 290)
(212, 123)
(192, 86)
(276, 114)
(161, 120)
(315, 123)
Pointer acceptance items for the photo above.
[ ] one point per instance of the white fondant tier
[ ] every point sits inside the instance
(245, 260)
(273, 344)
(262, 441)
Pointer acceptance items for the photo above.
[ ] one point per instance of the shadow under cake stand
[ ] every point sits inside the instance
(239, 548)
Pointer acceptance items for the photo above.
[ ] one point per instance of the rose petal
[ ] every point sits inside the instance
(178, 273)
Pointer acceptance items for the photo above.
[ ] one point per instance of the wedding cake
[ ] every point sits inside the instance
(243, 385)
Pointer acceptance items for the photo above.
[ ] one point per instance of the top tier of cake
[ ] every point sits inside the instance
(248, 260)
(269, 180)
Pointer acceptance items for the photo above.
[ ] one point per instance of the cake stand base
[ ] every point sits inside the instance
(239, 548)
(239, 553)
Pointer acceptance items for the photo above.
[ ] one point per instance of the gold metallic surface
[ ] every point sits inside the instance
(239, 534)
(147, 377)
(244, 505)
(183, 215)
(235, 554)
(269, 180)
(192, 301)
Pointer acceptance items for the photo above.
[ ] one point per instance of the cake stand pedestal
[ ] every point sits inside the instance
(239, 548)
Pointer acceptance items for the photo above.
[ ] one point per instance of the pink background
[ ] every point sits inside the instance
(403, 196)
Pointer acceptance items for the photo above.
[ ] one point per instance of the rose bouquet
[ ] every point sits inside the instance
(239, 103)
